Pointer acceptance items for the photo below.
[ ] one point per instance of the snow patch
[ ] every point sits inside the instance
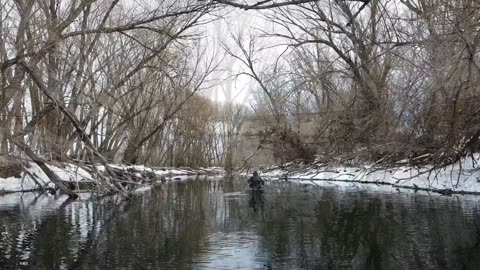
(461, 177)
(74, 173)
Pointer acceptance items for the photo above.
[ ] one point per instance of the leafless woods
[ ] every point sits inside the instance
(118, 81)
(386, 81)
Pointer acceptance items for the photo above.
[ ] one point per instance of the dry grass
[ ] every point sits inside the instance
(10, 166)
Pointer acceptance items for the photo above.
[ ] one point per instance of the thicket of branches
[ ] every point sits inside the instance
(119, 74)
(108, 82)
(383, 80)
(118, 81)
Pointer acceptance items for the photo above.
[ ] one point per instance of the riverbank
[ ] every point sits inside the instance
(462, 177)
(28, 176)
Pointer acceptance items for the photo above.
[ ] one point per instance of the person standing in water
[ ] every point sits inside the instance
(255, 182)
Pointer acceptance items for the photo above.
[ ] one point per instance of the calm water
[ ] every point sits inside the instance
(215, 224)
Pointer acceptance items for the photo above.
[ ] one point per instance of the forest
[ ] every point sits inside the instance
(101, 82)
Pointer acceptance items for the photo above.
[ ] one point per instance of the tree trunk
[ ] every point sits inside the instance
(39, 161)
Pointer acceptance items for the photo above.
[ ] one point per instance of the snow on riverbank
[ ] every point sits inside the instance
(460, 178)
(31, 177)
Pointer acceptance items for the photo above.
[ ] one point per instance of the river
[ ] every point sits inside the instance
(213, 223)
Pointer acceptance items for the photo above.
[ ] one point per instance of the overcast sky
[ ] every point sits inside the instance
(233, 22)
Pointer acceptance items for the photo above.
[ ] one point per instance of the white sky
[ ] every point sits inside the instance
(235, 22)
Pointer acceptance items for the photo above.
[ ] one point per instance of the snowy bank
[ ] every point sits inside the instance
(32, 178)
(462, 177)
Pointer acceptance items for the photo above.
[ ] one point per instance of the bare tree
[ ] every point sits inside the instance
(83, 58)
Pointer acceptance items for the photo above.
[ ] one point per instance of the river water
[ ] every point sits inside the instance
(215, 224)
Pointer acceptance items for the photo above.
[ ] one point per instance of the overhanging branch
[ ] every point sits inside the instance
(268, 4)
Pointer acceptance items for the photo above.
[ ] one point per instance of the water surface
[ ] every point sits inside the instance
(216, 224)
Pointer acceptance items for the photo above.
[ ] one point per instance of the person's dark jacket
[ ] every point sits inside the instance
(255, 182)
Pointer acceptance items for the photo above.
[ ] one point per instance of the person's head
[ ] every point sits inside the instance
(255, 173)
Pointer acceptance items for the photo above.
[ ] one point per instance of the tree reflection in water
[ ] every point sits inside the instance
(256, 199)
(192, 225)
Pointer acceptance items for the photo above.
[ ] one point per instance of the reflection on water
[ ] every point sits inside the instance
(216, 224)
(256, 199)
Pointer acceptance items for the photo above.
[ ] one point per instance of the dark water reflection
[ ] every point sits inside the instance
(214, 224)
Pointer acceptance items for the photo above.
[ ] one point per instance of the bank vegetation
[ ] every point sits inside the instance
(121, 82)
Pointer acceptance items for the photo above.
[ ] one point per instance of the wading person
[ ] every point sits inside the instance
(255, 182)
